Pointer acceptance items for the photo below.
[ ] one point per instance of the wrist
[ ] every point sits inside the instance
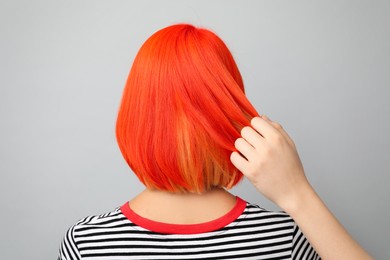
(300, 200)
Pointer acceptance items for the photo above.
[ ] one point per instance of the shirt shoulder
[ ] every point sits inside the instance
(254, 211)
(280, 220)
(100, 219)
(71, 245)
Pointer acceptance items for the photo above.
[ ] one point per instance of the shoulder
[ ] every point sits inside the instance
(265, 222)
(107, 219)
(279, 224)
(71, 244)
(98, 222)
(100, 219)
(255, 211)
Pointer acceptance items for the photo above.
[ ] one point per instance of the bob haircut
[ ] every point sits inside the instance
(182, 108)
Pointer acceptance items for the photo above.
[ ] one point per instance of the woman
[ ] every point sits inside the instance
(188, 132)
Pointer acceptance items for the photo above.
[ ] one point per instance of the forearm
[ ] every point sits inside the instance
(322, 229)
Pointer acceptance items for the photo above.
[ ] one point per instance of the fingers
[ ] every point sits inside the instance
(276, 125)
(268, 131)
(239, 162)
(263, 127)
(252, 137)
(245, 148)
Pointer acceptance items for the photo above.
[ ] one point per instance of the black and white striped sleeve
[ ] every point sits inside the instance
(301, 248)
(68, 248)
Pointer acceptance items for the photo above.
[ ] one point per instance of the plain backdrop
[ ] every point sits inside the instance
(320, 68)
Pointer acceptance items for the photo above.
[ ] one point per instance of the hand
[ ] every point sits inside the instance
(269, 159)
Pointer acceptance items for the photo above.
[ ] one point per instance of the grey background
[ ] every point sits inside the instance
(320, 68)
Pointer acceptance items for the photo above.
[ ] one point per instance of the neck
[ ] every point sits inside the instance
(183, 208)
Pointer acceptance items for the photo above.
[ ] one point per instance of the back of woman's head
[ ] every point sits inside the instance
(182, 108)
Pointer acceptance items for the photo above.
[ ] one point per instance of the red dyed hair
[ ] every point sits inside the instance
(182, 108)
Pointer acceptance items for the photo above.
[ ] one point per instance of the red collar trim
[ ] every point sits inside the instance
(167, 228)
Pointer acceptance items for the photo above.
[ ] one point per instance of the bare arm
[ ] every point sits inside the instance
(269, 159)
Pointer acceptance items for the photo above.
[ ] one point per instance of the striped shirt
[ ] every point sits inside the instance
(246, 232)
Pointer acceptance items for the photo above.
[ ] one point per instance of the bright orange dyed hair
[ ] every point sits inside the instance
(182, 108)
